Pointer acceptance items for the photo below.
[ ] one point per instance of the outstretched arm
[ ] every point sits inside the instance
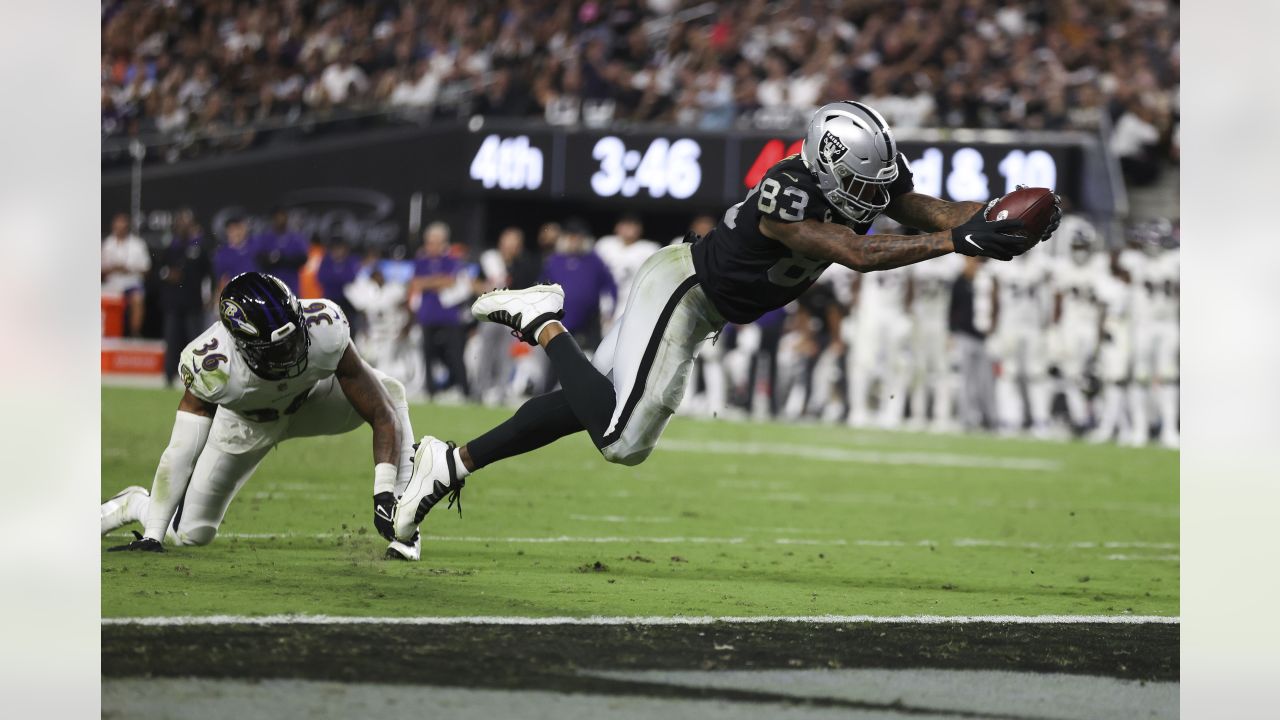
(367, 396)
(865, 253)
(928, 213)
(370, 400)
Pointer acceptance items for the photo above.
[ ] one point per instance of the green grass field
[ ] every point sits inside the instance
(724, 519)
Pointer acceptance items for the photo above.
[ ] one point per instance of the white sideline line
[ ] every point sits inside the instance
(874, 457)
(837, 542)
(650, 620)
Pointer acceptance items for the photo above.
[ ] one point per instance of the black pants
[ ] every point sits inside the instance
(180, 328)
(444, 343)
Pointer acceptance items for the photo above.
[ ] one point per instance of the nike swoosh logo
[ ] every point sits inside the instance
(793, 177)
(969, 237)
(383, 513)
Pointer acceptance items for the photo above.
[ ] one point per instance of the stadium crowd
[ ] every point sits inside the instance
(218, 75)
(1074, 339)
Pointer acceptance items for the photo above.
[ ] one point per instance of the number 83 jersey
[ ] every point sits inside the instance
(746, 274)
(213, 371)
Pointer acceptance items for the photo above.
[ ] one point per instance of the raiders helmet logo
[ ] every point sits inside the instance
(235, 315)
(831, 148)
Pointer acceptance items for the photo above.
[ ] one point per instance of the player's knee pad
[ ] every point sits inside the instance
(621, 453)
(201, 535)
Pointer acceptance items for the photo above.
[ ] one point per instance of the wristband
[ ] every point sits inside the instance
(384, 478)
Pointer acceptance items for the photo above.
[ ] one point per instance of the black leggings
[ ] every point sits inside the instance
(584, 402)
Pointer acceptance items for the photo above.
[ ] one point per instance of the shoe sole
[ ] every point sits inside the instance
(497, 296)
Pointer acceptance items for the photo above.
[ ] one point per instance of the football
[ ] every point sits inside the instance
(1032, 205)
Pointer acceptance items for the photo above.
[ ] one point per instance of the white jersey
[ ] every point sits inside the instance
(1022, 289)
(1080, 286)
(882, 295)
(213, 371)
(931, 283)
(623, 261)
(383, 306)
(1153, 284)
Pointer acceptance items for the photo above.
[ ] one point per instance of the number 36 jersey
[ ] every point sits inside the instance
(213, 371)
(746, 274)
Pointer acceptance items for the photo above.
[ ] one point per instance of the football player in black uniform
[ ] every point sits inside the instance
(808, 211)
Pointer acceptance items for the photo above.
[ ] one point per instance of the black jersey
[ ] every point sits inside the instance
(746, 274)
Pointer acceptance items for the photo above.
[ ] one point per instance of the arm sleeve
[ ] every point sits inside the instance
(190, 432)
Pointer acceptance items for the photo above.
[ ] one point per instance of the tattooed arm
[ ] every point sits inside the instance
(928, 213)
(839, 244)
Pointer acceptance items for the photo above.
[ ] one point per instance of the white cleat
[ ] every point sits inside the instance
(524, 311)
(433, 478)
(122, 509)
(409, 551)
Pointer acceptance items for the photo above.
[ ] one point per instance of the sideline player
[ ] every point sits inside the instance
(932, 374)
(274, 368)
(1017, 341)
(880, 334)
(1078, 314)
(808, 211)
(1154, 283)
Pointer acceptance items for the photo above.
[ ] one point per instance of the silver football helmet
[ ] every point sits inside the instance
(850, 150)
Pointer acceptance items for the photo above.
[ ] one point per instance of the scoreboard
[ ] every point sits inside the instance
(707, 170)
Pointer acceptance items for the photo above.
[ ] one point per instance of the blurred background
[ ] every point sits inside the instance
(401, 157)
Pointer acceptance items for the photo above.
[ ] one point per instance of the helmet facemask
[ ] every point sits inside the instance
(282, 357)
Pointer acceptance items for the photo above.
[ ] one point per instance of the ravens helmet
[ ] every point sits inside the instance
(852, 154)
(265, 321)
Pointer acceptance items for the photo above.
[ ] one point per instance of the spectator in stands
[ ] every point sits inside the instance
(281, 251)
(587, 283)
(1032, 65)
(436, 273)
(185, 274)
(500, 99)
(1135, 141)
(234, 255)
(337, 270)
(125, 262)
(342, 80)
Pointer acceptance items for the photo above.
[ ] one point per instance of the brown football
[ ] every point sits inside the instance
(1032, 205)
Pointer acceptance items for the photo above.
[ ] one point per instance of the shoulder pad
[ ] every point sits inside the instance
(205, 364)
(329, 330)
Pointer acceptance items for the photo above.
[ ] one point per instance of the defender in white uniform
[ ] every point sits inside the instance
(879, 332)
(1155, 289)
(385, 343)
(1115, 356)
(931, 373)
(808, 211)
(1077, 281)
(274, 368)
(1020, 317)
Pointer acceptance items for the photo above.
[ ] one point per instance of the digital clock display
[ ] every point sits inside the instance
(644, 167)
